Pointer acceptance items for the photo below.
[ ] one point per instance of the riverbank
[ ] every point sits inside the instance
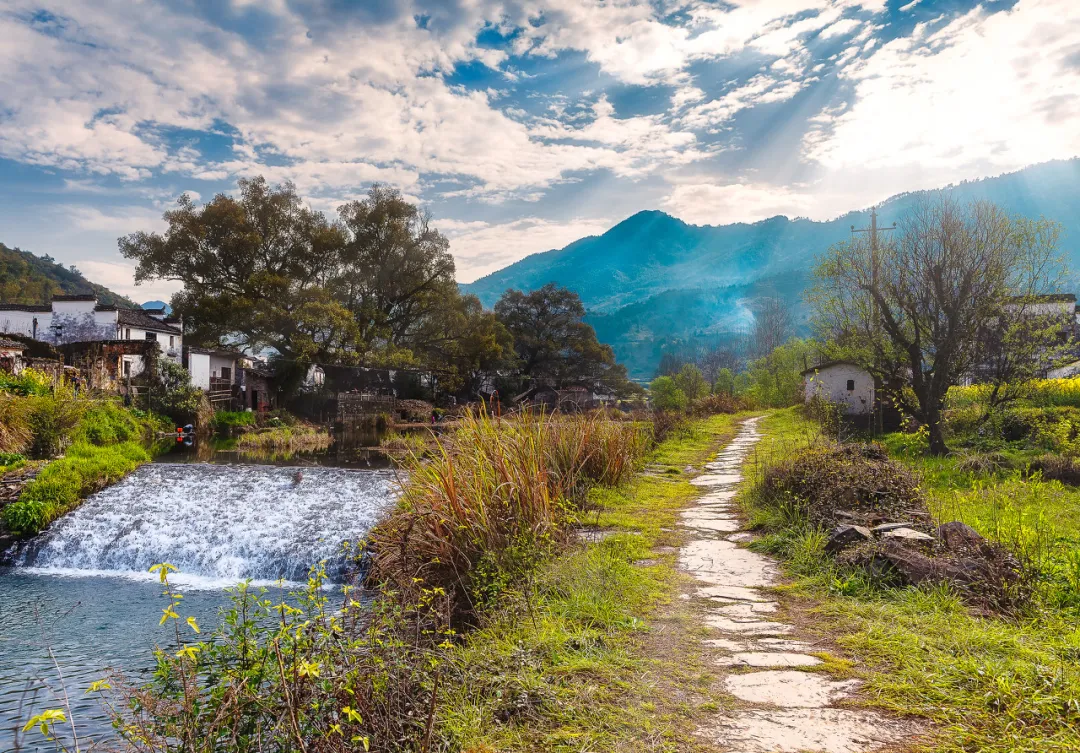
(987, 680)
(85, 445)
(526, 556)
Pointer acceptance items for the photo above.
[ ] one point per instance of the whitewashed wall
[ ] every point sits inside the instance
(831, 384)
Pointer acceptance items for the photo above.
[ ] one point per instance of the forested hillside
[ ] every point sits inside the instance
(26, 278)
(654, 282)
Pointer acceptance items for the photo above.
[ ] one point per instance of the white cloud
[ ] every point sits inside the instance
(984, 93)
(715, 204)
(119, 277)
(120, 221)
(480, 248)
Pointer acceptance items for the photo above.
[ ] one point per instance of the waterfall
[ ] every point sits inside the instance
(216, 523)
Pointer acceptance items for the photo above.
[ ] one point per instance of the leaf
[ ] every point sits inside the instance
(193, 624)
(98, 685)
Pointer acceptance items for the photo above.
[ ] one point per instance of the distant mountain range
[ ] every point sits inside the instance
(654, 282)
(26, 278)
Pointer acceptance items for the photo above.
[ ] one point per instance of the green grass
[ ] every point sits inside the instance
(60, 487)
(232, 419)
(993, 684)
(571, 664)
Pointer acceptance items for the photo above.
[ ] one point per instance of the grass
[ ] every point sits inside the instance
(295, 438)
(232, 419)
(578, 664)
(992, 684)
(64, 483)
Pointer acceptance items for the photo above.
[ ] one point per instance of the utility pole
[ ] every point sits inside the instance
(873, 231)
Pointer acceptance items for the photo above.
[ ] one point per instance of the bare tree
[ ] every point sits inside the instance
(774, 324)
(914, 307)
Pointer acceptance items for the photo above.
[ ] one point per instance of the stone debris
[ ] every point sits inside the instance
(907, 534)
(797, 712)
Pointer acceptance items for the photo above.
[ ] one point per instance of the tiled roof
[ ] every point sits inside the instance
(11, 344)
(80, 297)
(34, 307)
(136, 318)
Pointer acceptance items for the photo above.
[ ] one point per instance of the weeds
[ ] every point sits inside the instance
(230, 419)
(299, 438)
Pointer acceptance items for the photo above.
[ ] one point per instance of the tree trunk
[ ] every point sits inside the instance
(934, 425)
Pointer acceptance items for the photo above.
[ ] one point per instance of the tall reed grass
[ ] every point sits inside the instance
(497, 496)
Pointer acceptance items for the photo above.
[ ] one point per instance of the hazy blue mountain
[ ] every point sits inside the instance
(654, 282)
(157, 305)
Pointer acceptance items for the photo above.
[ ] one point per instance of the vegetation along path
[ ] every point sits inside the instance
(783, 707)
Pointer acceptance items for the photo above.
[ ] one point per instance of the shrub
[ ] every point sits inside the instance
(721, 402)
(983, 462)
(1058, 468)
(665, 395)
(828, 479)
(15, 435)
(51, 419)
(9, 461)
(173, 394)
(667, 424)
(28, 382)
(85, 468)
(108, 422)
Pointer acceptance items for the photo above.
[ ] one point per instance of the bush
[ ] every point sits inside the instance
(667, 424)
(108, 422)
(15, 433)
(29, 382)
(173, 394)
(85, 468)
(51, 419)
(857, 479)
(1058, 468)
(665, 395)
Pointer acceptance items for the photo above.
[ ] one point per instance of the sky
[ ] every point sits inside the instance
(521, 125)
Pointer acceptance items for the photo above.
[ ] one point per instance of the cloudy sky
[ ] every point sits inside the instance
(521, 124)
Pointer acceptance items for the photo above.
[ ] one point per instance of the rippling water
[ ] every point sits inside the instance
(82, 588)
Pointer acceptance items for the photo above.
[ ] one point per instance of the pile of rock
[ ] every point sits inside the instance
(902, 554)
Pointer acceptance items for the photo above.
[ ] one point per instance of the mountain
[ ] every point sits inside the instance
(158, 305)
(654, 282)
(26, 278)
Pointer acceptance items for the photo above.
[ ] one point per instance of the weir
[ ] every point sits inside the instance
(217, 523)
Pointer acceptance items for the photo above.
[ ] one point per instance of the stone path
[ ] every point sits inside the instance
(783, 708)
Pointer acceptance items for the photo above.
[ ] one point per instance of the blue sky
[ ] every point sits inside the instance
(520, 124)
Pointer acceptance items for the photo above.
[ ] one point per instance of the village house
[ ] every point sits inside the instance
(80, 318)
(11, 356)
(841, 383)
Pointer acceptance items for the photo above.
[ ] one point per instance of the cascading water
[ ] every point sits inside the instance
(216, 523)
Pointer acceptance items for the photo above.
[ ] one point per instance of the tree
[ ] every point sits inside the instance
(914, 306)
(691, 381)
(670, 364)
(665, 395)
(775, 380)
(725, 382)
(254, 270)
(396, 271)
(773, 325)
(553, 343)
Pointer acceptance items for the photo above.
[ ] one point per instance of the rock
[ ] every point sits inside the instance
(844, 536)
(909, 535)
(886, 527)
(913, 567)
(959, 537)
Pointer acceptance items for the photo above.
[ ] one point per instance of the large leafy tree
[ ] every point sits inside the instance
(553, 343)
(255, 269)
(921, 307)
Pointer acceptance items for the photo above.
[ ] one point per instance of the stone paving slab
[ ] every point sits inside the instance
(787, 710)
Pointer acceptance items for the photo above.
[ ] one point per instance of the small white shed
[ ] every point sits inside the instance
(841, 383)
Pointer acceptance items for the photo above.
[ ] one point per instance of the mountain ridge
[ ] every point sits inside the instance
(31, 279)
(651, 255)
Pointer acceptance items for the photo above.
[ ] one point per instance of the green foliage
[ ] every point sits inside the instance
(107, 422)
(10, 461)
(26, 278)
(58, 489)
(776, 380)
(665, 395)
(51, 420)
(232, 419)
(691, 382)
(172, 393)
(725, 382)
(28, 382)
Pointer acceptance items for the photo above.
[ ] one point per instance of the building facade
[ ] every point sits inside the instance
(841, 383)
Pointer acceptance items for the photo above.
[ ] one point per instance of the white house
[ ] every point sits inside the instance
(841, 383)
(213, 368)
(80, 318)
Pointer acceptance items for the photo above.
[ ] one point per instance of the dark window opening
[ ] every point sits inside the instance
(851, 385)
(151, 336)
(226, 372)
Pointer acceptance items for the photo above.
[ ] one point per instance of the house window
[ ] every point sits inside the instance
(127, 335)
(226, 372)
(127, 368)
(151, 336)
(851, 385)
(172, 341)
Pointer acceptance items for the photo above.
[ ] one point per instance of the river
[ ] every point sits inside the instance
(82, 588)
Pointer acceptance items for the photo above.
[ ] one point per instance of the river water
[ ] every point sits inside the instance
(82, 589)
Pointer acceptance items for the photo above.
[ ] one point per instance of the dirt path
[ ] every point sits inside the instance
(782, 707)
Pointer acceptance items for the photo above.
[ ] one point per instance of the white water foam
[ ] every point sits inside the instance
(218, 524)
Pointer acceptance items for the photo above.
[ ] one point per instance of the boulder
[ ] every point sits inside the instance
(957, 537)
(844, 536)
(912, 567)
